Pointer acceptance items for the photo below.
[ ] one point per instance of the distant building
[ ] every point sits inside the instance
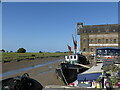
(94, 36)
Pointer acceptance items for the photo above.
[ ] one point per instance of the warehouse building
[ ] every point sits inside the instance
(94, 36)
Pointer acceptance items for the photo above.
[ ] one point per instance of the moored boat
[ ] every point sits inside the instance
(73, 65)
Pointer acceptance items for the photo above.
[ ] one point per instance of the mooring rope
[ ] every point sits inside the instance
(64, 77)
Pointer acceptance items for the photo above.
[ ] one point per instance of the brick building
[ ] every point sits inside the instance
(94, 36)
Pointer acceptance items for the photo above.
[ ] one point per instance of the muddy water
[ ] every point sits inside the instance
(6, 74)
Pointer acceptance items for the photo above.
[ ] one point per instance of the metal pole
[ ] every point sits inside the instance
(75, 32)
(75, 38)
(95, 59)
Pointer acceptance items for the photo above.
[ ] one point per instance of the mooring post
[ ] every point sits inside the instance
(95, 60)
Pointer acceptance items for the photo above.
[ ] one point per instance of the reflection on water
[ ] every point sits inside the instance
(28, 68)
(50, 67)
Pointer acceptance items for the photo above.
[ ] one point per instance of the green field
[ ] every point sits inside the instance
(28, 56)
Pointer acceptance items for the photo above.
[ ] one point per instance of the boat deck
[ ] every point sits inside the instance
(94, 69)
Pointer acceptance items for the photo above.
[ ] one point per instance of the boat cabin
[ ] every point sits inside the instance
(76, 59)
(72, 59)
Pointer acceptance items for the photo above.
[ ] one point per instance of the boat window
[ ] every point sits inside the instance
(92, 50)
(99, 52)
(74, 57)
(67, 57)
(110, 52)
(70, 57)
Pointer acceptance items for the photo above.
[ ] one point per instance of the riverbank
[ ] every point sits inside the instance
(45, 74)
(27, 63)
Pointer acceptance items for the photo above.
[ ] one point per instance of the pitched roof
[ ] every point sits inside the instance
(99, 28)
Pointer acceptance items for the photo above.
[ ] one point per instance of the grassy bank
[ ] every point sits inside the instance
(7, 57)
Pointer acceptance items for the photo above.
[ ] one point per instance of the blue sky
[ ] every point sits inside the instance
(49, 26)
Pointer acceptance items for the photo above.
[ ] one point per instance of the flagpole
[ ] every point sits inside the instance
(75, 38)
(75, 31)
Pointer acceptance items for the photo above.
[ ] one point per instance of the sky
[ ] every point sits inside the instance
(48, 26)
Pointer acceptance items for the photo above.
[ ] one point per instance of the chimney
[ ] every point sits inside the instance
(79, 27)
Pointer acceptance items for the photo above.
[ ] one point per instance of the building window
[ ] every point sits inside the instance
(91, 41)
(114, 40)
(84, 49)
(92, 50)
(84, 40)
(98, 30)
(107, 30)
(84, 31)
(106, 40)
(99, 40)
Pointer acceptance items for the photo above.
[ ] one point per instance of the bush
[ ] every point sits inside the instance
(21, 50)
(2, 50)
(40, 51)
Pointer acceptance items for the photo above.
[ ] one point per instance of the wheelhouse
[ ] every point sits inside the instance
(75, 59)
(107, 52)
(71, 59)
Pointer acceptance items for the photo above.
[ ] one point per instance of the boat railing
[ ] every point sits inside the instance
(83, 65)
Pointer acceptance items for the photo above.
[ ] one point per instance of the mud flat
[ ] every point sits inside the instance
(44, 74)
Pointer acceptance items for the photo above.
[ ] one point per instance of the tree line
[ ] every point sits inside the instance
(23, 50)
(20, 50)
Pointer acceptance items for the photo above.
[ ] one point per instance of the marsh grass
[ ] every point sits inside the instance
(7, 57)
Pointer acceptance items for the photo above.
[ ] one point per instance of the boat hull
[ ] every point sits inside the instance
(68, 73)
